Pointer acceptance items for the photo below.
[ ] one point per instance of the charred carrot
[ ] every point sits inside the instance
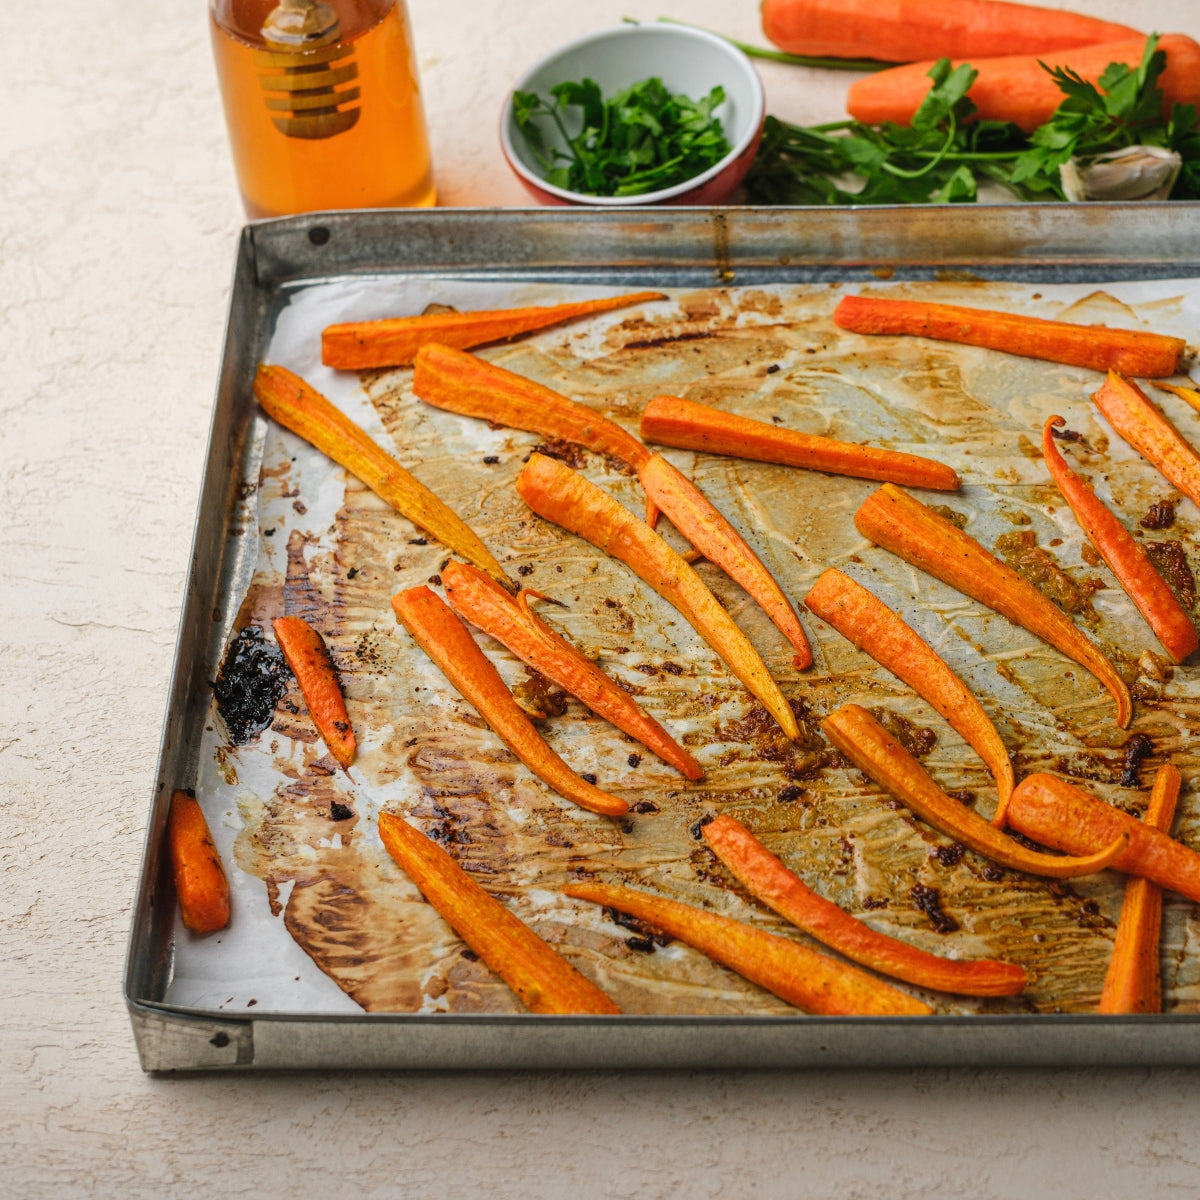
(1059, 814)
(297, 406)
(803, 977)
(394, 341)
(480, 600)
(872, 749)
(543, 980)
(866, 621)
(896, 521)
(672, 421)
(565, 497)
(200, 881)
(1129, 411)
(715, 538)
(768, 880)
(1132, 351)
(907, 30)
(308, 656)
(449, 643)
(1127, 560)
(1134, 980)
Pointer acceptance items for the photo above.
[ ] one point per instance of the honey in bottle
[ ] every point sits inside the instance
(322, 103)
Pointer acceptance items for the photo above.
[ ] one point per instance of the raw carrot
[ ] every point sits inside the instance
(1132, 351)
(896, 521)
(872, 749)
(1018, 88)
(1133, 983)
(673, 421)
(449, 643)
(200, 881)
(394, 341)
(297, 406)
(866, 621)
(803, 977)
(1129, 411)
(563, 496)
(1127, 560)
(543, 980)
(1059, 814)
(768, 880)
(907, 30)
(308, 656)
(479, 599)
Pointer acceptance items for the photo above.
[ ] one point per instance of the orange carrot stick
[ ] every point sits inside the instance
(700, 522)
(565, 497)
(286, 398)
(872, 749)
(896, 521)
(480, 600)
(1134, 352)
(449, 643)
(687, 425)
(394, 342)
(308, 656)
(768, 880)
(1058, 814)
(803, 977)
(1188, 394)
(1134, 980)
(543, 980)
(1129, 411)
(866, 621)
(200, 881)
(1127, 560)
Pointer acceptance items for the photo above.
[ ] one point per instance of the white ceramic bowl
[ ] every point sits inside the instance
(689, 61)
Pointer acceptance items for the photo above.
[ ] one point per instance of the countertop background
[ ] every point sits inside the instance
(118, 220)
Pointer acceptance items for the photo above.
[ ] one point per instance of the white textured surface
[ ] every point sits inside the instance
(118, 217)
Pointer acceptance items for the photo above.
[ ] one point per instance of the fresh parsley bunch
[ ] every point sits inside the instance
(643, 139)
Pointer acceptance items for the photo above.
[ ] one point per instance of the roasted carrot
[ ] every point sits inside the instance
(297, 406)
(200, 881)
(768, 880)
(308, 656)
(803, 977)
(866, 621)
(714, 537)
(907, 30)
(449, 643)
(672, 421)
(1133, 983)
(480, 600)
(896, 521)
(543, 980)
(1127, 560)
(1132, 351)
(563, 496)
(1188, 394)
(872, 749)
(1129, 411)
(394, 341)
(1018, 88)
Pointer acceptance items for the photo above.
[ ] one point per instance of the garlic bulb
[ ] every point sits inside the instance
(1135, 173)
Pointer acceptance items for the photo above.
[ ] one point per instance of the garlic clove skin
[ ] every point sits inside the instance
(1134, 173)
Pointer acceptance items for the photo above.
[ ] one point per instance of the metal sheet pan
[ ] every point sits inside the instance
(644, 248)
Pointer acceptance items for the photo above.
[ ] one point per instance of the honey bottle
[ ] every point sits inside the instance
(323, 104)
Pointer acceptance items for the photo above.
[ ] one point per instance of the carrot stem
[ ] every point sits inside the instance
(308, 656)
(896, 521)
(673, 421)
(803, 977)
(543, 980)
(768, 880)
(1134, 352)
(200, 881)
(449, 643)
(297, 406)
